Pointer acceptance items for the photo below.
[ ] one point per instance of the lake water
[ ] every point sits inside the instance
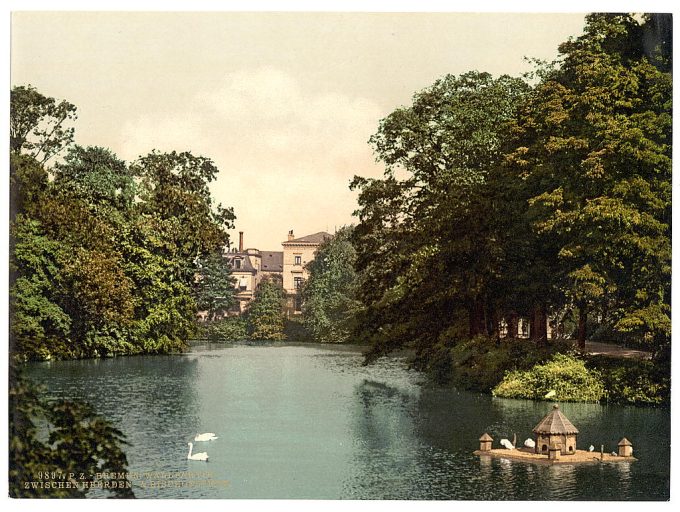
(308, 421)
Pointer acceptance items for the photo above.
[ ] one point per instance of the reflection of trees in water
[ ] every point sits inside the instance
(521, 416)
(144, 396)
(385, 448)
(647, 428)
(419, 445)
(413, 445)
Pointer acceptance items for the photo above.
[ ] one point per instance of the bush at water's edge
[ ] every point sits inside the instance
(484, 363)
(227, 329)
(564, 378)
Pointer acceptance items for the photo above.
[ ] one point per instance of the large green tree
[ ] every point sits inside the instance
(329, 303)
(214, 285)
(104, 255)
(175, 194)
(593, 149)
(265, 312)
(428, 247)
(39, 124)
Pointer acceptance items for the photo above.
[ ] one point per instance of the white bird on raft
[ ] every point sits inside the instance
(530, 443)
(591, 448)
(208, 436)
(196, 456)
(505, 443)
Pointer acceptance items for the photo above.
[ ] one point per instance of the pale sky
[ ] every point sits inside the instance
(284, 103)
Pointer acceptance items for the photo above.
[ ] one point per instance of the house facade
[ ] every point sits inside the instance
(248, 267)
(297, 252)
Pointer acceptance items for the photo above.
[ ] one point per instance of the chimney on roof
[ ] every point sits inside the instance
(240, 241)
(291, 236)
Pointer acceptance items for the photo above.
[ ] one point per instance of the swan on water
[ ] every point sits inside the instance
(505, 443)
(196, 456)
(208, 436)
(530, 443)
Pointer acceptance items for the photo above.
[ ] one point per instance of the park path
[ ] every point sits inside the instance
(607, 349)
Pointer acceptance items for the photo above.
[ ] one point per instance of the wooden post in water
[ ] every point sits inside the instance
(514, 440)
(601, 452)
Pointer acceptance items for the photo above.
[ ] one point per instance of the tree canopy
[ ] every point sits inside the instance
(105, 255)
(265, 312)
(504, 199)
(329, 303)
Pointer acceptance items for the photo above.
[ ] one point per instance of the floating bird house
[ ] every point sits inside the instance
(555, 430)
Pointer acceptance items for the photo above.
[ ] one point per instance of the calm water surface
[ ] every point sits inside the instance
(308, 421)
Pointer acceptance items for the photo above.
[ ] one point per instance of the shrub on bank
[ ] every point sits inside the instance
(633, 381)
(520, 368)
(564, 376)
(227, 329)
(480, 363)
(294, 330)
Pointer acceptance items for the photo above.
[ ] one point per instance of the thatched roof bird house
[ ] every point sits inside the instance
(555, 429)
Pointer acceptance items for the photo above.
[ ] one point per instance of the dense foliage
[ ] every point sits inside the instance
(329, 293)
(104, 256)
(233, 328)
(214, 285)
(591, 147)
(633, 381)
(564, 378)
(479, 363)
(544, 201)
(79, 443)
(264, 315)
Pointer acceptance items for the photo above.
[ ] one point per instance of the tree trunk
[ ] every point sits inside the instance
(495, 324)
(477, 318)
(582, 319)
(513, 325)
(539, 324)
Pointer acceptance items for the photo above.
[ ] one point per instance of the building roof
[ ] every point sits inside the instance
(316, 238)
(245, 262)
(272, 261)
(486, 437)
(555, 423)
(625, 442)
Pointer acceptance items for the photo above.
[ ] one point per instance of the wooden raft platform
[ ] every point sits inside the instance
(528, 455)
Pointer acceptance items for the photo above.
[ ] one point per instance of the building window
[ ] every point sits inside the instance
(237, 263)
(298, 303)
(298, 259)
(297, 282)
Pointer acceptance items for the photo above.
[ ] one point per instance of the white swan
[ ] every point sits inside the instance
(530, 443)
(591, 448)
(505, 443)
(196, 456)
(208, 436)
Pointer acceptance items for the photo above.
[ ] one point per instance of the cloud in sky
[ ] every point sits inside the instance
(280, 150)
(283, 102)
